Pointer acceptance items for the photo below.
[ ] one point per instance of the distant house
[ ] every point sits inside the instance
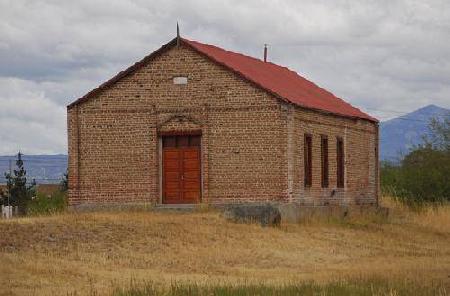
(194, 123)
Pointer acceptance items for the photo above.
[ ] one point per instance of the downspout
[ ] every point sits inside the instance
(377, 164)
(78, 144)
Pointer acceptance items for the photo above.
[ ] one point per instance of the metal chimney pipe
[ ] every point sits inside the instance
(265, 53)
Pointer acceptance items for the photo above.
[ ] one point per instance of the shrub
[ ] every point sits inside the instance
(48, 204)
(426, 174)
(64, 184)
(423, 176)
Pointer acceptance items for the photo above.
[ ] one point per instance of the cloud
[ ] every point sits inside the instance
(388, 55)
(30, 122)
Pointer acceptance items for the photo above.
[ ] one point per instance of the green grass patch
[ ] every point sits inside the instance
(364, 287)
(47, 204)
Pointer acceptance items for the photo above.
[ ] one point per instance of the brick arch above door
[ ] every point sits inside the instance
(179, 123)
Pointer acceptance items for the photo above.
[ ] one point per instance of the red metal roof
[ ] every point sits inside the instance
(280, 81)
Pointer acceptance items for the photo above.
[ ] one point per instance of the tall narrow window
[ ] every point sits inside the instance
(324, 160)
(308, 160)
(340, 162)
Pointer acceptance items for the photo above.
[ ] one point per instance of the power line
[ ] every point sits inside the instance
(418, 120)
(409, 119)
(404, 112)
(38, 180)
(32, 159)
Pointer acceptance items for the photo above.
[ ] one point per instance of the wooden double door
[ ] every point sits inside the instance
(181, 169)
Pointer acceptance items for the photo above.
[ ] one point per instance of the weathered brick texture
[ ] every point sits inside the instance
(252, 142)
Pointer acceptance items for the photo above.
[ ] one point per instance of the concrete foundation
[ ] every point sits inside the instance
(296, 213)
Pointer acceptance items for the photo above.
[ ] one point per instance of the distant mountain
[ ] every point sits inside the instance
(399, 135)
(46, 169)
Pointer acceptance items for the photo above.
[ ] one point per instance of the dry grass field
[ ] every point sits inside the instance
(92, 253)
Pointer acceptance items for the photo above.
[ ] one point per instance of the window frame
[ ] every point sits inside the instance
(307, 159)
(340, 162)
(324, 159)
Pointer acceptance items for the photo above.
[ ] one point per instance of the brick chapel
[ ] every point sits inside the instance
(194, 123)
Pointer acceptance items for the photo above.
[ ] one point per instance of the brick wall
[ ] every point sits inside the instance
(251, 141)
(361, 150)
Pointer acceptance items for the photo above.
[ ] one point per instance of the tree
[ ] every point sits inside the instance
(439, 136)
(18, 193)
(424, 173)
(64, 184)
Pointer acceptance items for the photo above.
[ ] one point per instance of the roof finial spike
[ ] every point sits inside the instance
(265, 52)
(178, 35)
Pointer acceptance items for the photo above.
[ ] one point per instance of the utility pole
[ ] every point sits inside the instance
(9, 185)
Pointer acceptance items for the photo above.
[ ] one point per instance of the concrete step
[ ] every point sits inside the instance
(176, 207)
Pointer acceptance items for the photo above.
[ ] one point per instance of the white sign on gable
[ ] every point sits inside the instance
(180, 80)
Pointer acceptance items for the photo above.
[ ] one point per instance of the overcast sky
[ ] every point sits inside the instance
(378, 55)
